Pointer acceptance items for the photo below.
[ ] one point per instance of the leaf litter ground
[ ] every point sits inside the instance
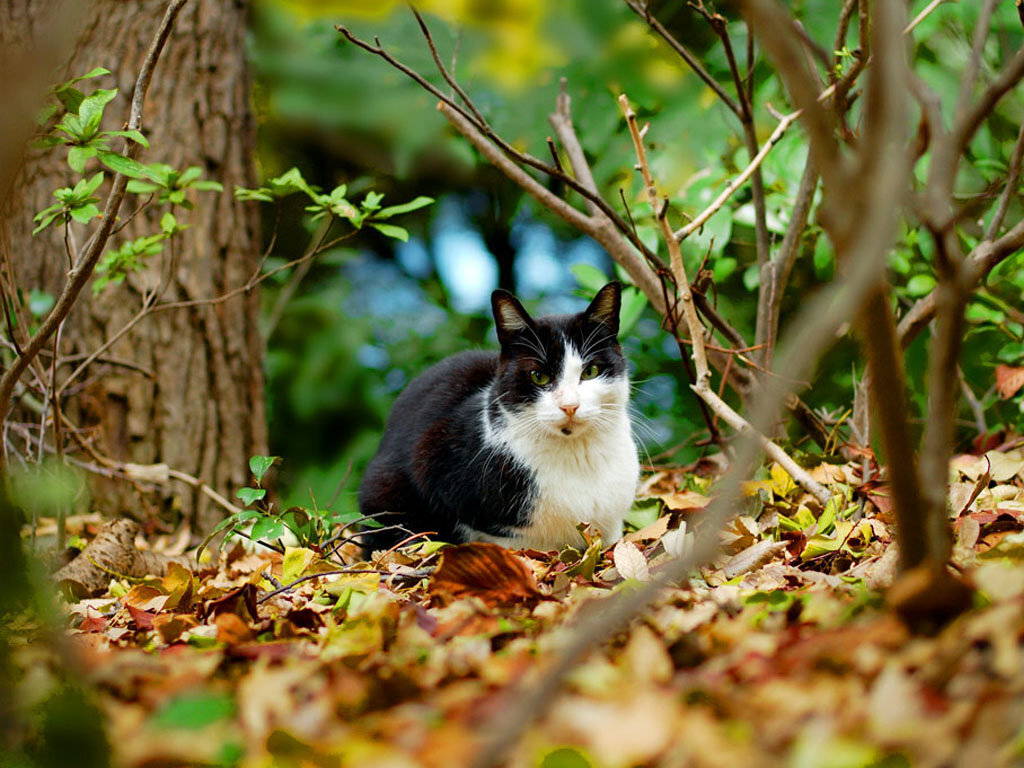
(781, 652)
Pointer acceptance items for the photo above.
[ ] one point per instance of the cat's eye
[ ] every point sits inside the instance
(539, 378)
(590, 372)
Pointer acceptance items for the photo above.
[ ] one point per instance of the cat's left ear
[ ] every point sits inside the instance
(604, 309)
(510, 317)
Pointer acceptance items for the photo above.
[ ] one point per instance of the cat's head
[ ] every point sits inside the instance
(562, 375)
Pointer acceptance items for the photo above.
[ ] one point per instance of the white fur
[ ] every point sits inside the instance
(589, 475)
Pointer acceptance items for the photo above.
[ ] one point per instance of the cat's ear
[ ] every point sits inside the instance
(509, 316)
(604, 309)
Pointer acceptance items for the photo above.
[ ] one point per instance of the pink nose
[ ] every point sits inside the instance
(569, 410)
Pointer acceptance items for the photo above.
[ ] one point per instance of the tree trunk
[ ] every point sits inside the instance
(192, 396)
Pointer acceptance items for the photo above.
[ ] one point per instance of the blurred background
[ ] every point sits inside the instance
(370, 316)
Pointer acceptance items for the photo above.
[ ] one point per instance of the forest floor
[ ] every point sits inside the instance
(781, 652)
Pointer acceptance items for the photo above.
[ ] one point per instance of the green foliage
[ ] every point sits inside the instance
(170, 185)
(260, 523)
(334, 204)
(75, 203)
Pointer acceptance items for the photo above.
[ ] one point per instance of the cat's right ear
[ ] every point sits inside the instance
(510, 318)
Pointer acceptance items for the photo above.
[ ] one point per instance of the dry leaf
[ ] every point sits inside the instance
(751, 557)
(630, 561)
(1009, 380)
(483, 570)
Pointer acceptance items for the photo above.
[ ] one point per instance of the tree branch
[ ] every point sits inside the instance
(703, 374)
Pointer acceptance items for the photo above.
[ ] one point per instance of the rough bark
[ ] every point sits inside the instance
(196, 401)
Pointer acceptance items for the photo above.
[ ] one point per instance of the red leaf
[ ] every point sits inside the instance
(1009, 380)
(143, 619)
(483, 570)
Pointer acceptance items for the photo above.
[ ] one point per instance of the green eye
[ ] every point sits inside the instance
(590, 372)
(539, 378)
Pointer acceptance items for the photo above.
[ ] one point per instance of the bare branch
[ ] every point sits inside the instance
(643, 12)
(703, 374)
(599, 228)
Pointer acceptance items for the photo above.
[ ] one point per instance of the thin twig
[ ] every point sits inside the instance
(701, 219)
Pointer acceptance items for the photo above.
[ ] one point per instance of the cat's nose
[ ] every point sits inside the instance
(569, 410)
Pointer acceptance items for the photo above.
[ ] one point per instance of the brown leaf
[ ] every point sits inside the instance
(1009, 379)
(171, 626)
(483, 570)
(231, 629)
(751, 557)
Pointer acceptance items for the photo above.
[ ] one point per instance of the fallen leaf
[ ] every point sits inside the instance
(483, 570)
(630, 561)
(751, 557)
(231, 629)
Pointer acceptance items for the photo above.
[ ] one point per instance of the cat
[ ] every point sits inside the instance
(515, 447)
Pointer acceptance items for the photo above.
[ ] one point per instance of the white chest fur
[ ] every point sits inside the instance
(590, 476)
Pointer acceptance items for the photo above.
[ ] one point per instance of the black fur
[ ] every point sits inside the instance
(432, 470)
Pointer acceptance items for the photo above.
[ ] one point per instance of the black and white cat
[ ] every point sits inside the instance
(515, 447)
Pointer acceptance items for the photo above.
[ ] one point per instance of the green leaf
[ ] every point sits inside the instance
(225, 523)
(77, 157)
(98, 72)
(90, 111)
(85, 213)
(124, 165)
(135, 136)
(259, 465)
(137, 187)
(413, 205)
(251, 495)
(920, 285)
(244, 194)
(168, 223)
(192, 711)
(267, 528)
(372, 201)
(86, 187)
(390, 230)
(46, 220)
(70, 97)
(206, 185)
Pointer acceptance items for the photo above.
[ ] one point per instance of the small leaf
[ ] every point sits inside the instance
(168, 223)
(77, 157)
(137, 187)
(413, 205)
(85, 213)
(259, 465)
(124, 165)
(98, 72)
(90, 111)
(920, 285)
(590, 278)
(251, 495)
(135, 136)
(267, 528)
(390, 230)
(630, 561)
